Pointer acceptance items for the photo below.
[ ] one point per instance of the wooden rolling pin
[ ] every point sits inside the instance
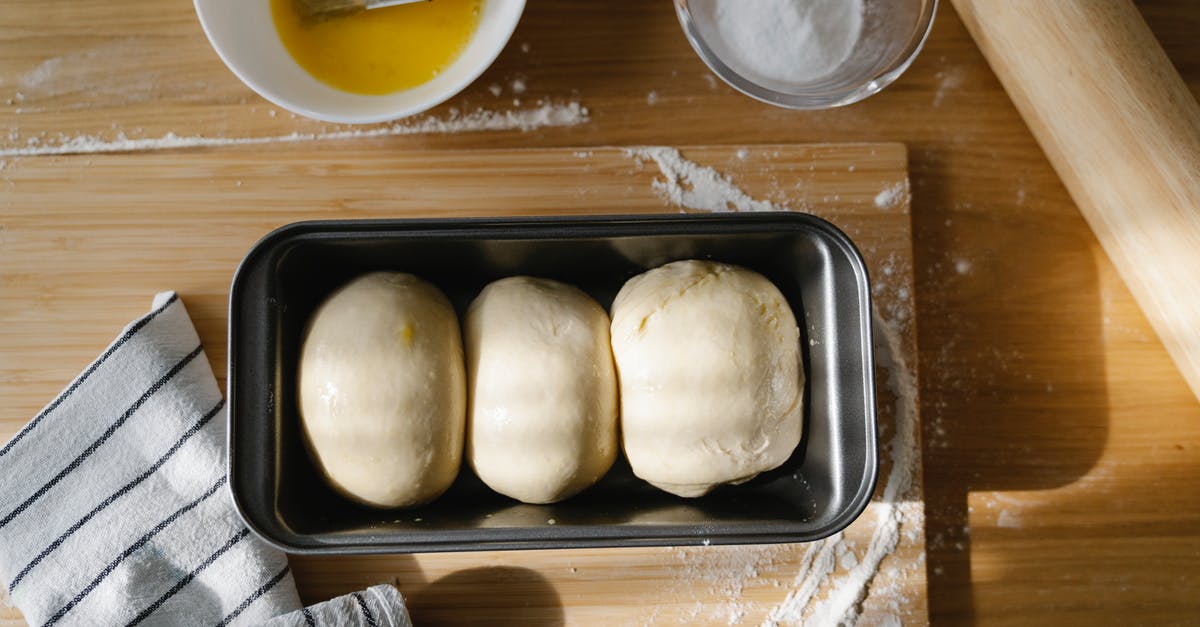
(1122, 131)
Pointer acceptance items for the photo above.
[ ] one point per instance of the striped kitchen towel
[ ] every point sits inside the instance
(114, 508)
(371, 607)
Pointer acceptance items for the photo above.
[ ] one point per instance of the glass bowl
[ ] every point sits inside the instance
(893, 32)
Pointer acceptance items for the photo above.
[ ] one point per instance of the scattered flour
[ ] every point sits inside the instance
(495, 89)
(948, 80)
(547, 115)
(115, 72)
(846, 558)
(833, 580)
(962, 266)
(891, 621)
(517, 86)
(842, 602)
(726, 571)
(652, 98)
(689, 185)
(893, 196)
(1008, 520)
(40, 74)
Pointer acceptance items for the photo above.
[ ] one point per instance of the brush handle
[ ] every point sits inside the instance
(1122, 131)
(379, 4)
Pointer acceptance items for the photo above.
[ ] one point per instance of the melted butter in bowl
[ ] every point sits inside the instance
(380, 51)
(375, 66)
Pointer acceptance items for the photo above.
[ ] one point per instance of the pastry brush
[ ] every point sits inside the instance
(325, 8)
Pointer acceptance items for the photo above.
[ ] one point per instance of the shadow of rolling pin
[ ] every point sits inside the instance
(1122, 131)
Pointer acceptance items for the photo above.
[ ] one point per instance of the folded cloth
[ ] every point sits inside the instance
(114, 508)
(377, 605)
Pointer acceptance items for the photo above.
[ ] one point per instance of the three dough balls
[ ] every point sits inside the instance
(706, 388)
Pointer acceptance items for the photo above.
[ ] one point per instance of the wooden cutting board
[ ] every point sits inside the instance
(85, 241)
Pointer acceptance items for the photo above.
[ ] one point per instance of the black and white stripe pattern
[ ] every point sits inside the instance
(114, 507)
(125, 489)
(377, 606)
(254, 596)
(98, 442)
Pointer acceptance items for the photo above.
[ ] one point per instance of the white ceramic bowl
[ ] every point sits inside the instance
(244, 36)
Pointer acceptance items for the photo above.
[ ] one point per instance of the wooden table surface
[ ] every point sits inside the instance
(1061, 448)
(85, 249)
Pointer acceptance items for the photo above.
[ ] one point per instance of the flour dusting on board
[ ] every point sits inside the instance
(690, 185)
(726, 571)
(544, 116)
(842, 603)
(893, 196)
(40, 74)
(835, 581)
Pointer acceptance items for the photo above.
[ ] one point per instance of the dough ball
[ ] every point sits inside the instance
(542, 417)
(383, 390)
(708, 358)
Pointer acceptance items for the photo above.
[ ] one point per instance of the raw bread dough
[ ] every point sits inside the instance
(383, 391)
(708, 359)
(542, 417)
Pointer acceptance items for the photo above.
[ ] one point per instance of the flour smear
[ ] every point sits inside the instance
(835, 579)
(545, 116)
(690, 185)
(893, 196)
(830, 590)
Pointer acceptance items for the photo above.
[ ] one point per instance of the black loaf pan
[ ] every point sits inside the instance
(820, 490)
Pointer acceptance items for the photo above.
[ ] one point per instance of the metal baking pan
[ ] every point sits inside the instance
(820, 490)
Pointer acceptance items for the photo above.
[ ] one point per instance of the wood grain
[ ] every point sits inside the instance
(74, 273)
(1061, 445)
(1122, 131)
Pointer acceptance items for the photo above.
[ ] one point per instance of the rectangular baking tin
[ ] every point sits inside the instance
(824, 486)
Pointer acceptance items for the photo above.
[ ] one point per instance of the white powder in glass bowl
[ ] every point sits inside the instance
(789, 41)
